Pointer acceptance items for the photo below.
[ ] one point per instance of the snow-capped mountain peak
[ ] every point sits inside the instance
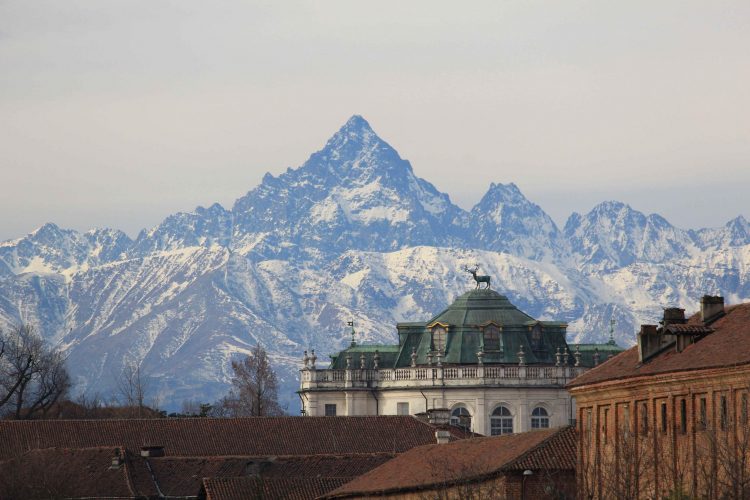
(351, 233)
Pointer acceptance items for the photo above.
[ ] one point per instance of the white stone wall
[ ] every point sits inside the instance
(479, 401)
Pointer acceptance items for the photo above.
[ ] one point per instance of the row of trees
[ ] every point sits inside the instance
(34, 383)
(710, 462)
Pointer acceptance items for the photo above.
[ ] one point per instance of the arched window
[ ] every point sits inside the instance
(439, 334)
(501, 421)
(461, 417)
(491, 338)
(539, 418)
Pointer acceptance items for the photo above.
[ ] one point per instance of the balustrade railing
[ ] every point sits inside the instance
(473, 374)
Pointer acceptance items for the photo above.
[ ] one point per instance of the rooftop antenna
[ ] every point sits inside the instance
(612, 331)
(351, 323)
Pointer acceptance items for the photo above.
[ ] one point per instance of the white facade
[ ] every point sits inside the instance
(480, 389)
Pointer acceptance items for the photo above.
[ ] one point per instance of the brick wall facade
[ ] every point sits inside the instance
(646, 437)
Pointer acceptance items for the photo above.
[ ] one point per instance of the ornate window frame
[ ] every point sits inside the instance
(438, 343)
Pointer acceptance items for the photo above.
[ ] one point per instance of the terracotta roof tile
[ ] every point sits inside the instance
(65, 473)
(557, 453)
(728, 345)
(242, 488)
(224, 437)
(182, 476)
(444, 464)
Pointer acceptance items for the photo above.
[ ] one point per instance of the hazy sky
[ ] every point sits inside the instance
(118, 113)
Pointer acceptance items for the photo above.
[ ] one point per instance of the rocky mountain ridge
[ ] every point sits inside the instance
(352, 233)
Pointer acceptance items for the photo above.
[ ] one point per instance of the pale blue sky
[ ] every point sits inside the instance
(118, 113)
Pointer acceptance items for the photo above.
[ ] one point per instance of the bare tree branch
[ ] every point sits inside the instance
(254, 388)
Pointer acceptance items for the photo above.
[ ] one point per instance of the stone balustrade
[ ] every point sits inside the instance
(428, 376)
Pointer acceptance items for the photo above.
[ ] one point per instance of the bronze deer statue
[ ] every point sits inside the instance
(479, 279)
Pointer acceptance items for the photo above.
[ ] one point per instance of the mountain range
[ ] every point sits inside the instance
(353, 233)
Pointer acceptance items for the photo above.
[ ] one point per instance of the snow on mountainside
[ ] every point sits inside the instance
(352, 233)
(357, 192)
(505, 221)
(615, 235)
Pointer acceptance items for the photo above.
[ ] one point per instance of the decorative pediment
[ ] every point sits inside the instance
(438, 323)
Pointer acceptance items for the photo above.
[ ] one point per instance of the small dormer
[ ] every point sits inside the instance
(492, 338)
(439, 336)
(536, 336)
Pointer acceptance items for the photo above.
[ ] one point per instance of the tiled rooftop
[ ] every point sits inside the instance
(441, 465)
(203, 437)
(728, 344)
(243, 488)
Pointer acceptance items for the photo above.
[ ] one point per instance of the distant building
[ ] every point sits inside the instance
(497, 369)
(669, 417)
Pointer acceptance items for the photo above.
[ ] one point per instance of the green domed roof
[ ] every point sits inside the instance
(479, 307)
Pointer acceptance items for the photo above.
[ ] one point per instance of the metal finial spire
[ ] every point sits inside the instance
(351, 323)
(612, 331)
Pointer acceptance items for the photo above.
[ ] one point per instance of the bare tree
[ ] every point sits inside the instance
(32, 375)
(626, 466)
(254, 390)
(132, 389)
(726, 473)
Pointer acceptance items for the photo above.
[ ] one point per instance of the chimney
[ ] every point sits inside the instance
(152, 451)
(117, 459)
(422, 416)
(712, 307)
(649, 342)
(442, 437)
(673, 316)
(439, 416)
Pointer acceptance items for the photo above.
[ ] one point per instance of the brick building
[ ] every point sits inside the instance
(669, 416)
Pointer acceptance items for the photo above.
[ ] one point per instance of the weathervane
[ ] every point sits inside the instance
(351, 323)
(479, 279)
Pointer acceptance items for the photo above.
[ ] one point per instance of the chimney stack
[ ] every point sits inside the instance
(152, 451)
(439, 416)
(673, 316)
(649, 342)
(712, 307)
(442, 437)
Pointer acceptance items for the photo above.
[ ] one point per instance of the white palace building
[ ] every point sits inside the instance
(496, 370)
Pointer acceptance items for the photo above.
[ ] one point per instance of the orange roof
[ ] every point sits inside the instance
(728, 345)
(441, 465)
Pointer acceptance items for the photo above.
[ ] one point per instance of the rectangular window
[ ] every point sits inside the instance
(439, 335)
(605, 425)
(330, 410)
(702, 414)
(723, 414)
(491, 338)
(626, 420)
(588, 425)
(683, 416)
(644, 419)
(402, 408)
(743, 410)
(664, 417)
